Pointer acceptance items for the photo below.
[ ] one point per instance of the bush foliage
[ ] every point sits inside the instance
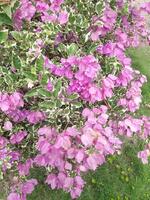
(69, 94)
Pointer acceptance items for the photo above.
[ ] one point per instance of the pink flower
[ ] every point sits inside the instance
(35, 116)
(49, 18)
(43, 145)
(7, 126)
(49, 86)
(18, 137)
(16, 100)
(63, 17)
(28, 186)
(27, 9)
(4, 102)
(46, 131)
(68, 183)
(89, 135)
(17, 19)
(71, 131)
(76, 192)
(24, 168)
(40, 160)
(79, 181)
(68, 166)
(92, 163)
(95, 35)
(87, 139)
(63, 142)
(143, 155)
(80, 156)
(87, 112)
(52, 181)
(55, 5)
(14, 196)
(15, 156)
(42, 6)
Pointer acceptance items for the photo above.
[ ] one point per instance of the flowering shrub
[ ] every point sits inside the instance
(69, 94)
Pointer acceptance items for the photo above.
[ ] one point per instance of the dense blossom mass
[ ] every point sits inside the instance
(82, 65)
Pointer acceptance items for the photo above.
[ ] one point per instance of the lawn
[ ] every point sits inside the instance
(124, 177)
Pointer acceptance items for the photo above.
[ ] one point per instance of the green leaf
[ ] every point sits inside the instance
(72, 18)
(3, 36)
(39, 64)
(30, 76)
(73, 96)
(8, 80)
(125, 9)
(99, 7)
(16, 62)
(47, 104)
(31, 93)
(92, 48)
(62, 48)
(7, 10)
(16, 35)
(72, 49)
(77, 104)
(44, 79)
(58, 103)
(44, 92)
(58, 87)
(13, 2)
(4, 70)
(33, 70)
(38, 92)
(4, 19)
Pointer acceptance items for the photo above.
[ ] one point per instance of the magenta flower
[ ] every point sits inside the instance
(87, 138)
(43, 145)
(80, 156)
(28, 10)
(46, 131)
(63, 17)
(4, 102)
(14, 196)
(42, 6)
(7, 126)
(28, 186)
(52, 181)
(143, 155)
(25, 168)
(63, 142)
(17, 19)
(35, 116)
(49, 86)
(18, 137)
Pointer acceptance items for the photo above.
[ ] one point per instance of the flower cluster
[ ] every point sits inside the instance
(143, 155)
(107, 22)
(24, 189)
(12, 106)
(73, 151)
(7, 156)
(133, 96)
(49, 12)
(81, 72)
(18, 137)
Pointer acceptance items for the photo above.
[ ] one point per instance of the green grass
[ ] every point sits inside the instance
(124, 177)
